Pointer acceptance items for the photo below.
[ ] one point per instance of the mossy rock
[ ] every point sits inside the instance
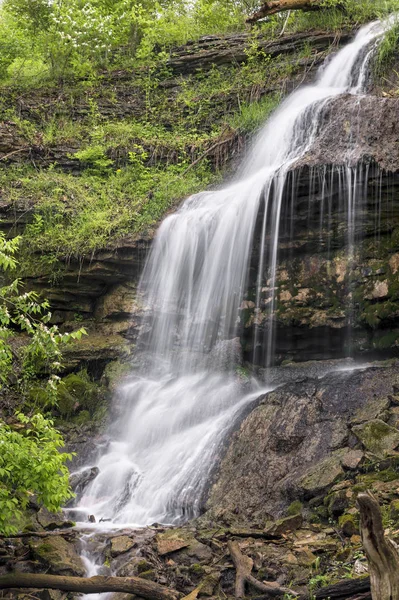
(323, 475)
(337, 503)
(114, 372)
(197, 570)
(150, 574)
(349, 524)
(58, 556)
(78, 392)
(368, 479)
(378, 437)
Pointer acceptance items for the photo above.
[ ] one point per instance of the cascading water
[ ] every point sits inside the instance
(186, 396)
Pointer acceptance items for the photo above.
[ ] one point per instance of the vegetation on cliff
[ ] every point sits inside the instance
(91, 86)
(30, 461)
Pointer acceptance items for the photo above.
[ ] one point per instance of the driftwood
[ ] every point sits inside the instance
(92, 585)
(275, 6)
(382, 553)
(66, 532)
(349, 588)
(244, 565)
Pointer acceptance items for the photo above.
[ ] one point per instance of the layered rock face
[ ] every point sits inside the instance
(338, 241)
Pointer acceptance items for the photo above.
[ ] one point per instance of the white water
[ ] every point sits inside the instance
(185, 399)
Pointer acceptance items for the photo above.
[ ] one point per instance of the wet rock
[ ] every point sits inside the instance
(58, 556)
(121, 544)
(294, 444)
(378, 437)
(95, 348)
(380, 290)
(118, 303)
(80, 480)
(53, 521)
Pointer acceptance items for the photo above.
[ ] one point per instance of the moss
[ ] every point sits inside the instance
(349, 524)
(377, 436)
(78, 392)
(295, 508)
(150, 574)
(143, 566)
(83, 418)
(369, 478)
(197, 569)
(114, 372)
(66, 402)
(386, 341)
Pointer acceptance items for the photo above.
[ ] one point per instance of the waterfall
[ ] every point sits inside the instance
(186, 395)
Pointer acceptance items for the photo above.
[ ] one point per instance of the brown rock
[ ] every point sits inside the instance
(285, 525)
(121, 544)
(352, 460)
(169, 542)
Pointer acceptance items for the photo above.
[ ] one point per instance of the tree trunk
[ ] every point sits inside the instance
(92, 585)
(382, 553)
(274, 6)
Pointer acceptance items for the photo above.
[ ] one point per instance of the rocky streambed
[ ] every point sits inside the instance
(285, 491)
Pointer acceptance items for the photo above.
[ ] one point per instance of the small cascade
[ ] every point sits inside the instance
(187, 395)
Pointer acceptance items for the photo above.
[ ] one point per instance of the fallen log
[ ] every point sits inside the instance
(275, 6)
(91, 585)
(348, 588)
(65, 532)
(244, 565)
(381, 552)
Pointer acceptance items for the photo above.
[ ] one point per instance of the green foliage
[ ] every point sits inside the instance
(78, 391)
(387, 49)
(42, 351)
(30, 461)
(30, 464)
(43, 40)
(253, 114)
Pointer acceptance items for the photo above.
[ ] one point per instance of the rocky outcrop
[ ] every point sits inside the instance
(302, 439)
(336, 284)
(355, 129)
(232, 49)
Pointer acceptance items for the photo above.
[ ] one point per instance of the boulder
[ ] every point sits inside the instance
(286, 525)
(296, 443)
(58, 556)
(52, 521)
(80, 480)
(171, 541)
(323, 475)
(378, 437)
(121, 544)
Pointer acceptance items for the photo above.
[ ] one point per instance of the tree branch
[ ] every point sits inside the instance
(275, 6)
(244, 565)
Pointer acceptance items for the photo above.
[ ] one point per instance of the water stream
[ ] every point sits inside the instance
(186, 396)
